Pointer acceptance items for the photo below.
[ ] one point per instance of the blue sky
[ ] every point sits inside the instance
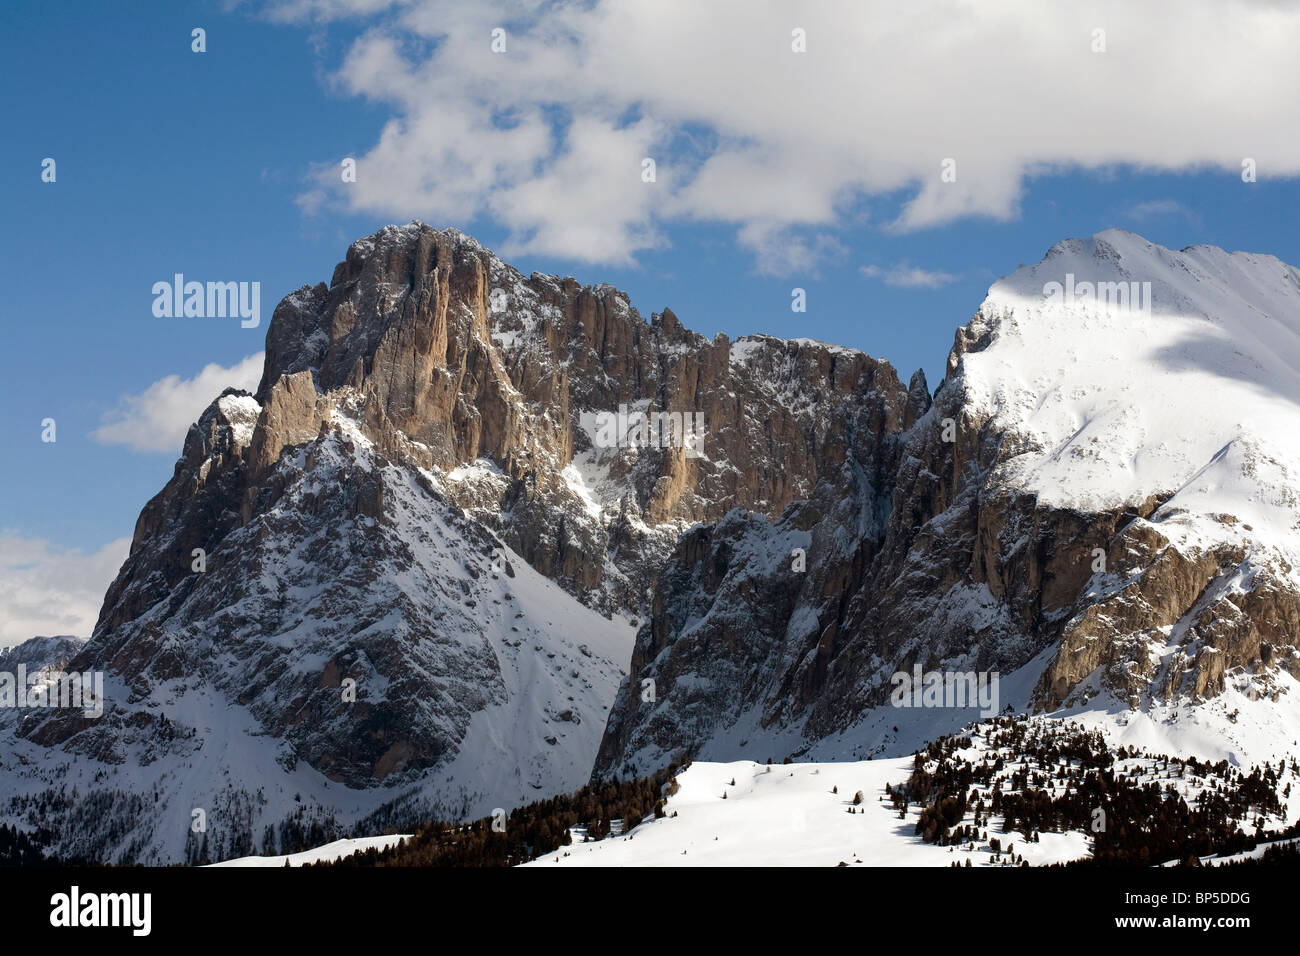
(219, 165)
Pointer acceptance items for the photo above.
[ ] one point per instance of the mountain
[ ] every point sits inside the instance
(402, 579)
(39, 661)
(1100, 507)
(38, 653)
(468, 515)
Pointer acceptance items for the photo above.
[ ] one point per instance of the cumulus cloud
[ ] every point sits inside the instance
(548, 137)
(45, 590)
(904, 276)
(157, 419)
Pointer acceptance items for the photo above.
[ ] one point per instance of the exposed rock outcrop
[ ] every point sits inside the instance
(343, 555)
(957, 557)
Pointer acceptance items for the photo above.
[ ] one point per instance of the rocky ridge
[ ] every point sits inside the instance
(1126, 578)
(385, 515)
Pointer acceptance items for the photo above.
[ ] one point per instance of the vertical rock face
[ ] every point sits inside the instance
(398, 578)
(448, 356)
(1101, 499)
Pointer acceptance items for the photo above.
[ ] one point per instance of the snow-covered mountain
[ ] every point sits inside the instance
(39, 653)
(1186, 410)
(1099, 507)
(404, 579)
(478, 682)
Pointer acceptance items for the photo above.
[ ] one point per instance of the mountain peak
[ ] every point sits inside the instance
(445, 476)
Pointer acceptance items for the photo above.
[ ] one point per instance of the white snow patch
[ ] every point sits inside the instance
(329, 852)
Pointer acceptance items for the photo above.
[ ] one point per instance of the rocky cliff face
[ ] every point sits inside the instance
(1098, 505)
(38, 653)
(401, 574)
(448, 357)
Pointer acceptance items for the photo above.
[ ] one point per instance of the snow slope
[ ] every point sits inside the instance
(787, 815)
(1199, 396)
(471, 646)
(743, 813)
(1254, 854)
(331, 851)
(1232, 726)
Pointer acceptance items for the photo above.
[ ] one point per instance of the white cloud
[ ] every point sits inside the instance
(1155, 208)
(288, 11)
(47, 591)
(782, 251)
(157, 419)
(548, 137)
(904, 276)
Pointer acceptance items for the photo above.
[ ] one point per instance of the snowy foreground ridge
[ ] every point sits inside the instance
(321, 854)
(857, 813)
(782, 815)
(804, 814)
(786, 815)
